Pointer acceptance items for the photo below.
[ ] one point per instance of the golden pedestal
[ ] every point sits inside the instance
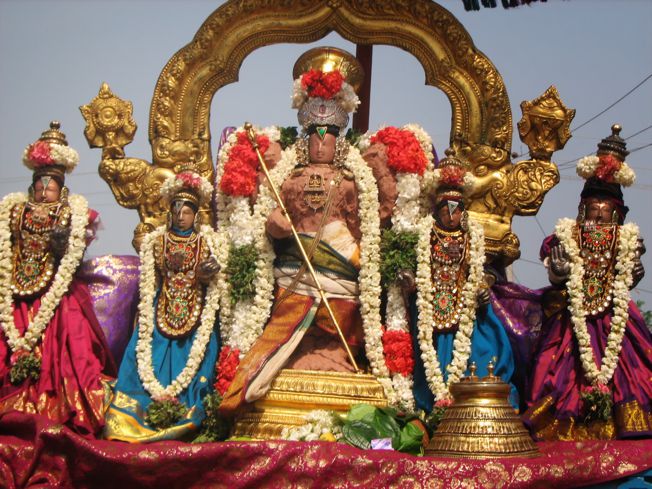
(294, 393)
(481, 423)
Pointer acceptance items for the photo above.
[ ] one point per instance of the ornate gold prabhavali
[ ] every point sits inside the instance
(481, 125)
(481, 423)
(294, 393)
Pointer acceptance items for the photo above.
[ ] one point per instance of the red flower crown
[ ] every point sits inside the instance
(322, 84)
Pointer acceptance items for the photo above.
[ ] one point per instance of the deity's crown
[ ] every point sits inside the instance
(326, 80)
(608, 165)
(452, 180)
(188, 186)
(50, 154)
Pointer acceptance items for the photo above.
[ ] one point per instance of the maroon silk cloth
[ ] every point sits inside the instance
(38, 453)
(558, 372)
(519, 310)
(113, 283)
(74, 361)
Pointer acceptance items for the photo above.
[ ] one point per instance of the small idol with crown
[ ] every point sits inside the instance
(168, 367)
(328, 318)
(592, 375)
(451, 317)
(54, 360)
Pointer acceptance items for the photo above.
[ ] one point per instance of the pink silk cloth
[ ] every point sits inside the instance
(35, 452)
(76, 365)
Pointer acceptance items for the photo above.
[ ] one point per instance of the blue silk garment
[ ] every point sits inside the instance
(489, 340)
(125, 418)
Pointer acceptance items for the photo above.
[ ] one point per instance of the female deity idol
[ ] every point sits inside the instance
(54, 360)
(592, 375)
(452, 320)
(168, 367)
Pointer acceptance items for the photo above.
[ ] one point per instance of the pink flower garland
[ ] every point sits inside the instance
(39, 153)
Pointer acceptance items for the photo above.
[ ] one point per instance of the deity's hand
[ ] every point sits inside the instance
(406, 282)
(640, 248)
(483, 297)
(559, 262)
(278, 226)
(59, 240)
(638, 272)
(207, 269)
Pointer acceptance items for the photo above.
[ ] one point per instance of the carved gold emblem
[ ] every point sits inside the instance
(545, 125)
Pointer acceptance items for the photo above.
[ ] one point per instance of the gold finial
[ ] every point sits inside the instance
(615, 129)
(327, 59)
(472, 377)
(54, 135)
(490, 368)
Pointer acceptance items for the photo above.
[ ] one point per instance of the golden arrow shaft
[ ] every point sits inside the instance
(252, 138)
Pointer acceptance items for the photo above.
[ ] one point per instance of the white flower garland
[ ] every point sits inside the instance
(241, 324)
(60, 154)
(369, 276)
(587, 166)
(62, 279)
(627, 243)
(147, 286)
(318, 423)
(462, 341)
(406, 215)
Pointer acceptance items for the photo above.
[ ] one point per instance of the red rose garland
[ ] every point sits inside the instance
(607, 168)
(241, 169)
(404, 153)
(397, 346)
(324, 85)
(226, 366)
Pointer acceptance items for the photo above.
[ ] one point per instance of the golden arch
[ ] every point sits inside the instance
(182, 98)
(481, 125)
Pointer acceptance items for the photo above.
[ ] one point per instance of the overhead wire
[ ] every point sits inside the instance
(639, 84)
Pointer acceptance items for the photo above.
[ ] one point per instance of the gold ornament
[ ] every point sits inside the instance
(294, 393)
(481, 423)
